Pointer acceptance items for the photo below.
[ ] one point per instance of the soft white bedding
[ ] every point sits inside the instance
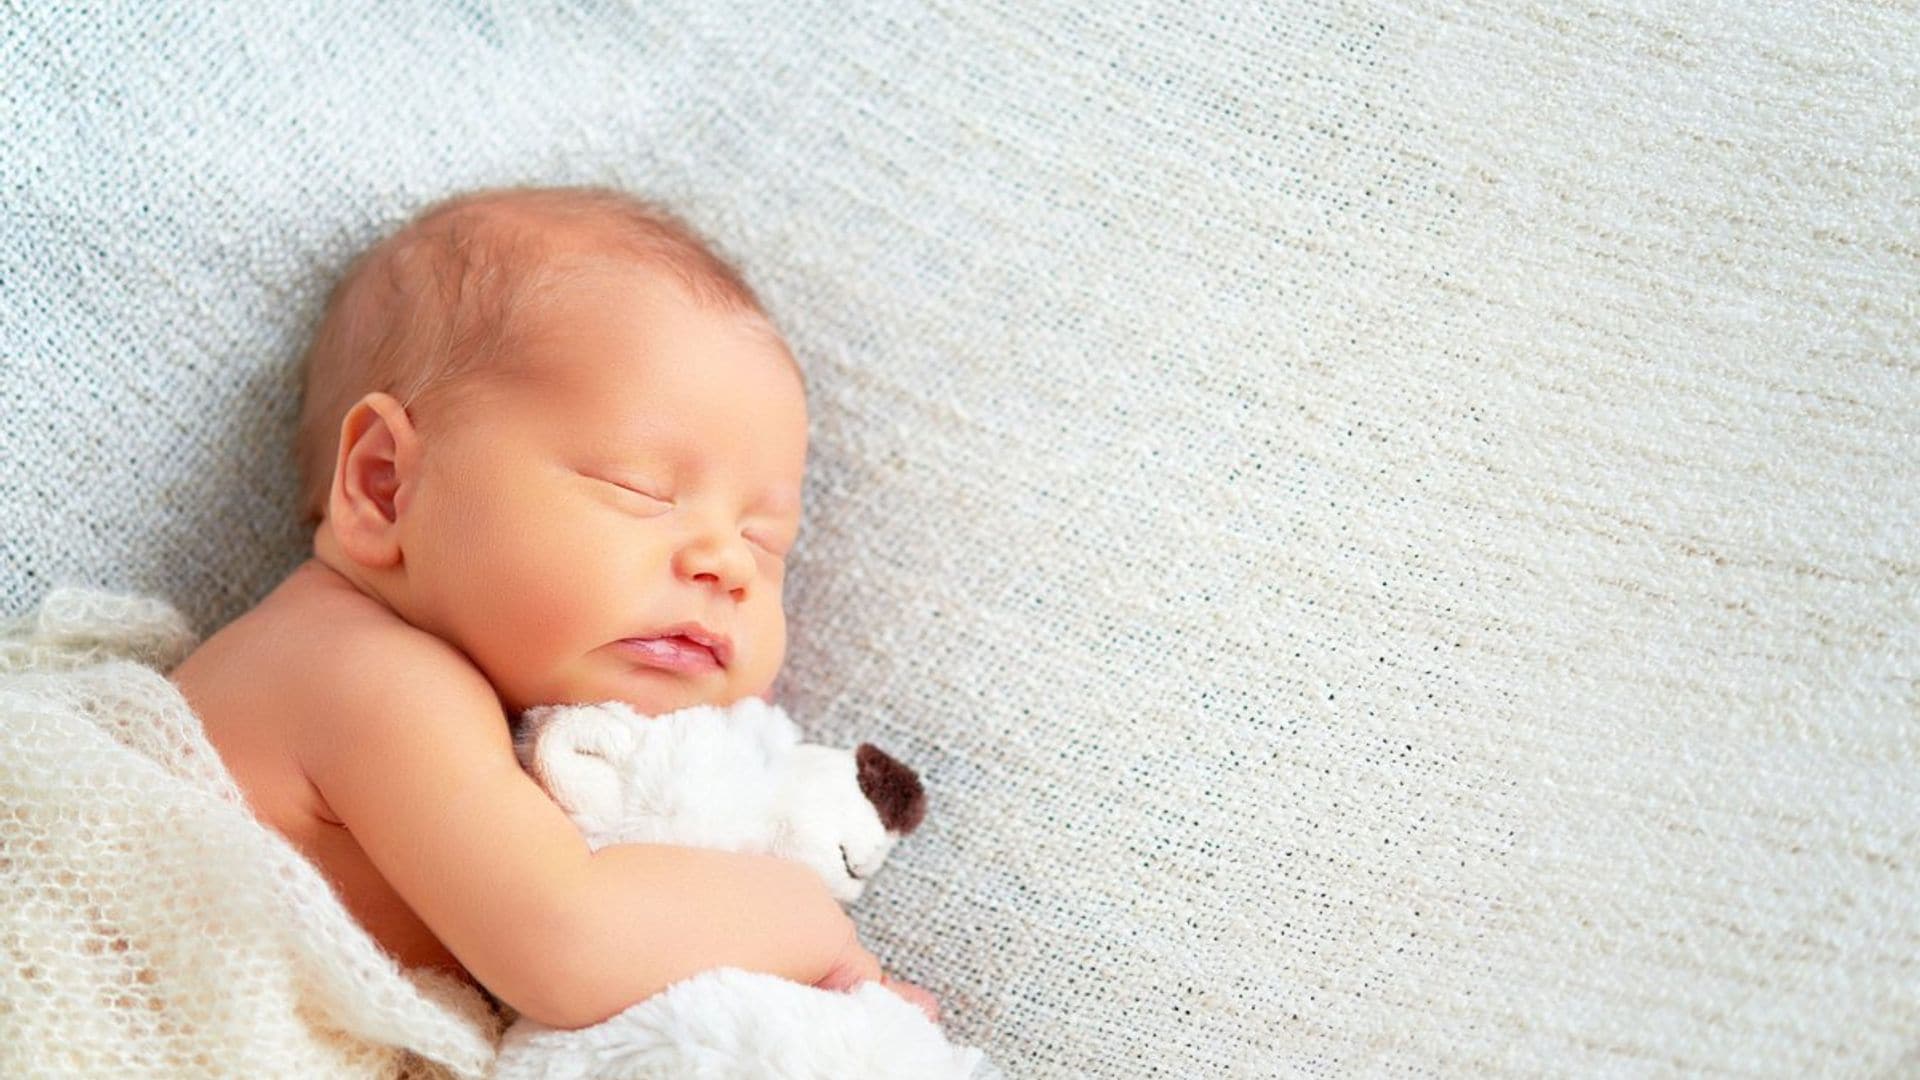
(1390, 530)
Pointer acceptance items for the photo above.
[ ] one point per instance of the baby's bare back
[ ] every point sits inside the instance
(266, 676)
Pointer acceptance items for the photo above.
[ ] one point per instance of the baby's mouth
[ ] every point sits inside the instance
(671, 652)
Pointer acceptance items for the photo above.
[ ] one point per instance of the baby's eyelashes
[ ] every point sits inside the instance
(773, 542)
(641, 491)
(771, 545)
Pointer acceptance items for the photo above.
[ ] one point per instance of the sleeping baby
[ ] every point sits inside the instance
(552, 453)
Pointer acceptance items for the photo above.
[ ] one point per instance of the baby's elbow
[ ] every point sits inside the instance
(567, 980)
(548, 995)
(557, 1011)
(538, 970)
(572, 1003)
(565, 994)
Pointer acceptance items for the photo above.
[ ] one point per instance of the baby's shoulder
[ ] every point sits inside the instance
(363, 664)
(392, 665)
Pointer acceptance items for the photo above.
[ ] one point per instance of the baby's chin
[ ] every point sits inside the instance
(648, 693)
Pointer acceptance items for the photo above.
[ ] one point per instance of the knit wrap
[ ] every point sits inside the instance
(152, 925)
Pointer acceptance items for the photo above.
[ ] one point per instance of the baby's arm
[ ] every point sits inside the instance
(417, 763)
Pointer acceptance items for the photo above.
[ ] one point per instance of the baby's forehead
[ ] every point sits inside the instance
(658, 361)
(582, 294)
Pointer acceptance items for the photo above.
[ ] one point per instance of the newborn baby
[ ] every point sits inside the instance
(552, 452)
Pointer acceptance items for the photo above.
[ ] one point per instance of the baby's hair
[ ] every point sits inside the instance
(443, 296)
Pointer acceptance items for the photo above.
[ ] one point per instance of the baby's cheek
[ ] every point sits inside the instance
(771, 652)
(573, 578)
(521, 573)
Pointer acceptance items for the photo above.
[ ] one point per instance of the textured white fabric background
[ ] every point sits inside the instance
(1390, 529)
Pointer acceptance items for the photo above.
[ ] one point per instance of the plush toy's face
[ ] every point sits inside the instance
(735, 778)
(843, 812)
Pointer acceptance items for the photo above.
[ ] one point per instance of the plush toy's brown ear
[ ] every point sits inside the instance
(892, 788)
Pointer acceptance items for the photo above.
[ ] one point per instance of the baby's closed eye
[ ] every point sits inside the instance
(774, 545)
(638, 493)
(645, 495)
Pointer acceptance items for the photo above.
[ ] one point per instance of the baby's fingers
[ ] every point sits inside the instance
(854, 967)
(916, 996)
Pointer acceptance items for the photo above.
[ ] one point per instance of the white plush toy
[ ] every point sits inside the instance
(740, 779)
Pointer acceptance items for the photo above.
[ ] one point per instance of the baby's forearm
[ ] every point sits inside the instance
(646, 916)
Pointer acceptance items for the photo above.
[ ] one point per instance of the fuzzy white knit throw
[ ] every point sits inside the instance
(152, 926)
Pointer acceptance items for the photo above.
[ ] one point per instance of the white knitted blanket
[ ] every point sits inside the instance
(152, 926)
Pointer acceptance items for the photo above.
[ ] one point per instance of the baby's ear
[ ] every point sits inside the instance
(372, 476)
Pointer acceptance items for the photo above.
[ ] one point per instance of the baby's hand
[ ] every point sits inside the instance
(918, 997)
(856, 965)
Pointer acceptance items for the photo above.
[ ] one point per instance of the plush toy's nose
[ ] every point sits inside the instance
(892, 788)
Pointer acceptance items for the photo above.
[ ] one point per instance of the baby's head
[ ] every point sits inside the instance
(553, 429)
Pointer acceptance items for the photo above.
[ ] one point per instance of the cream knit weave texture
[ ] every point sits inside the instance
(1391, 531)
(155, 928)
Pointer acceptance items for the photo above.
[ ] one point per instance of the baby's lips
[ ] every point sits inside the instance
(715, 642)
(674, 652)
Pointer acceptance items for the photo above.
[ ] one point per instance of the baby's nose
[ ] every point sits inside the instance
(892, 788)
(725, 562)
